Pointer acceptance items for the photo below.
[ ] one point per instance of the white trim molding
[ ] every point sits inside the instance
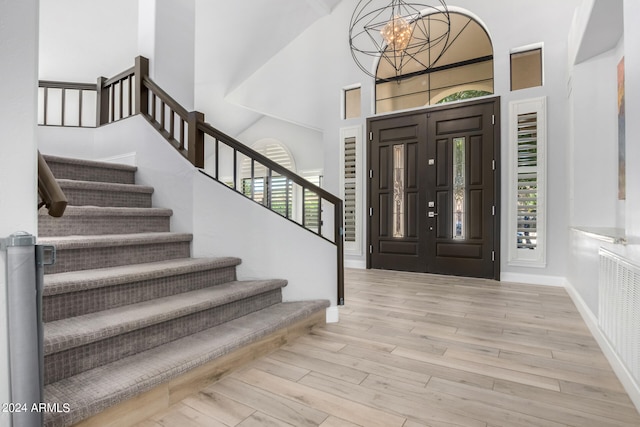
(332, 314)
(621, 371)
(533, 279)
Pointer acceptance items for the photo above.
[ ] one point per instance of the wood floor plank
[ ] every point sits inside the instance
(306, 360)
(259, 419)
(181, 414)
(395, 370)
(542, 413)
(219, 407)
(337, 422)
(275, 367)
(275, 405)
(412, 404)
(415, 349)
(343, 408)
(421, 367)
(481, 368)
(603, 408)
(482, 342)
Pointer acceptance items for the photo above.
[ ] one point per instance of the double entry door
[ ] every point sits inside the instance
(433, 190)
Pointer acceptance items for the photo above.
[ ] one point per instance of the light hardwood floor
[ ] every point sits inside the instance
(423, 350)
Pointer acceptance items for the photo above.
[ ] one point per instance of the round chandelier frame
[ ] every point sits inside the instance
(398, 35)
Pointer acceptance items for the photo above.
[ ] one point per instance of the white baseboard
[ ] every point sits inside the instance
(621, 371)
(533, 279)
(333, 315)
(125, 159)
(352, 263)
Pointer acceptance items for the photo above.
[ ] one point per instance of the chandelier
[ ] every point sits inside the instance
(404, 35)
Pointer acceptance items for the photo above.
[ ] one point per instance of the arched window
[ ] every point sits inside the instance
(464, 70)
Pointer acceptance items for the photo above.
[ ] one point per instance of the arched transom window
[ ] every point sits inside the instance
(464, 70)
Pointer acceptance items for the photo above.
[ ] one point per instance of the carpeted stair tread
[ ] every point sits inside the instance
(76, 331)
(75, 281)
(93, 391)
(89, 163)
(95, 193)
(75, 211)
(113, 240)
(104, 186)
(92, 220)
(90, 170)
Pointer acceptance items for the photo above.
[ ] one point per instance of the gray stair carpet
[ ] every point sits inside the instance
(104, 288)
(125, 306)
(92, 193)
(92, 220)
(96, 390)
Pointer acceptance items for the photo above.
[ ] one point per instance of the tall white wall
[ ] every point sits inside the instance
(632, 105)
(81, 40)
(593, 165)
(593, 160)
(18, 155)
(166, 35)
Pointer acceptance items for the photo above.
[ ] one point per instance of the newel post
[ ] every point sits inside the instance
(195, 139)
(141, 71)
(102, 102)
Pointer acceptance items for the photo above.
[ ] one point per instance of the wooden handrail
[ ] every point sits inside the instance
(51, 84)
(165, 97)
(120, 76)
(267, 162)
(49, 190)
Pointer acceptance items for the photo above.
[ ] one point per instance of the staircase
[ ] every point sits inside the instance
(126, 309)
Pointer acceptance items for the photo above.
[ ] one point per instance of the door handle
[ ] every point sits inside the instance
(432, 214)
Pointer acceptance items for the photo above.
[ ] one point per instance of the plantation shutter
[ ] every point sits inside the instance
(350, 189)
(281, 188)
(312, 207)
(527, 175)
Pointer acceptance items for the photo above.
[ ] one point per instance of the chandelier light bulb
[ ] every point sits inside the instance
(397, 33)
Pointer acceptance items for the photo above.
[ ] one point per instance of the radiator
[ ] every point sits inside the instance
(619, 308)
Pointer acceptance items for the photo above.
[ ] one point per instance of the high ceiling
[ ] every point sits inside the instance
(233, 42)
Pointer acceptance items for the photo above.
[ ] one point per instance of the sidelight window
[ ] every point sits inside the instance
(459, 188)
(527, 144)
(352, 187)
(398, 191)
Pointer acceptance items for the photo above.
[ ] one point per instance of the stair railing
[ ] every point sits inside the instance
(133, 92)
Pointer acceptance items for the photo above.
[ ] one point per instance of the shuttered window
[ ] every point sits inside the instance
(312, 206)
(527, 181)
(281, 188)
(350, 189)
(527, 201)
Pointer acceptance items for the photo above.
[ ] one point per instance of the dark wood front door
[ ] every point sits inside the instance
(433, 190)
